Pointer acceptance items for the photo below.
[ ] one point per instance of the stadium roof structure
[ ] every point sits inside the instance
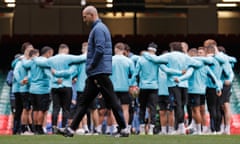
(119, 5)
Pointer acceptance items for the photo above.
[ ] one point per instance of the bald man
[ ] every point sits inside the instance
(98, 69)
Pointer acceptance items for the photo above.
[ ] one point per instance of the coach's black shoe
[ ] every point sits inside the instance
(68, 132)
(60, 131)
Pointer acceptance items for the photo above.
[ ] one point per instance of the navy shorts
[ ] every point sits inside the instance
(40, 102)
(123, 97)
(165, 103)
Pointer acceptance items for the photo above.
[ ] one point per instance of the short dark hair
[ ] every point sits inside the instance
(176, 46)
(221, 49)
(211, 49)
(127, 47)
(153, 45)
(24, 46)
(202, 48)
(193, 51)
(120, 46)
(63, 46)
(33, 52)
(45, 49)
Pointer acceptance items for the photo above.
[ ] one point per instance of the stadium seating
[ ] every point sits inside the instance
(5, 118)
(235, 105)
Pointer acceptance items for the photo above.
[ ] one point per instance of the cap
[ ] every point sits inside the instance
(152, 46)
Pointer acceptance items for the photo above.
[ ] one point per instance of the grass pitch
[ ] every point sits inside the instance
(133, 139)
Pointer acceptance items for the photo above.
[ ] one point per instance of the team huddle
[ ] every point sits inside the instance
(172, 81)
(124, 91)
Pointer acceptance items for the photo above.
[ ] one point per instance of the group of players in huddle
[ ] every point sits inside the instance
(173, 81)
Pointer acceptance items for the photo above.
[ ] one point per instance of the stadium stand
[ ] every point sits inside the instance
(5, 118)
(235, 105)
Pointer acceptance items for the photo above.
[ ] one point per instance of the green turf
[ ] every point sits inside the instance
(53, 139)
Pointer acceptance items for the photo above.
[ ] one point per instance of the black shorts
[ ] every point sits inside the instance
(179, 95)
(40, 102)
(101, 103)
(26, 100)
(94, 104)
(202, 99)
(226, 93)
(97, 103)
(164, 103)
(195, 100)
(123, 97)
